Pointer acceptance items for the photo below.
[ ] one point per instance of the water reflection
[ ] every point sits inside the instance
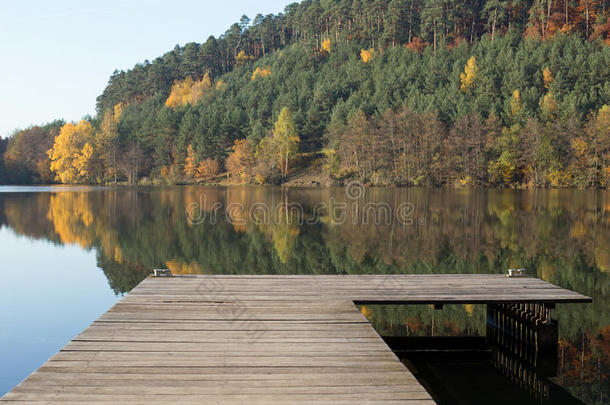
(560, 236)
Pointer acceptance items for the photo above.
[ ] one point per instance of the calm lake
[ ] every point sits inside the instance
(69, 253)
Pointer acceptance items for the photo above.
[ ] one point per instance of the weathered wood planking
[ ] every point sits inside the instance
(256, 340)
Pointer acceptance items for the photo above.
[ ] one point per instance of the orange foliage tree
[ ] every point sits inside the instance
(190, 164)
(326, 45)
(416, 45)
(208, 169)
(240, 163)
(261, 72)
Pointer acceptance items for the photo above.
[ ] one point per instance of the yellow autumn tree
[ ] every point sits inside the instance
(220, 85)
(118, 110)
(188, 91)
(82, 161)
(190, 164)
(72, 154)
(326, 45)
(469, 76)
(547, 77)
(548, 107)
(602, 123)
(367, 55)
(515, 103)
(242, 58)
(285, 139)
(516, 112)
(179, 94)
(261, 72)
(198, 89)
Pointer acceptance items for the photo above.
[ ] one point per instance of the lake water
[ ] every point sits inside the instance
(69, 253)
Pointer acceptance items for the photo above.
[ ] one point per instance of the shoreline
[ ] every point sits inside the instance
(75, 187)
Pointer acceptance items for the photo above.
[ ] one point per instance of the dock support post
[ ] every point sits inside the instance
(526, 332)
(523, 339)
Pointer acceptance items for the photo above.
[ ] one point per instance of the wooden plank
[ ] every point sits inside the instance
(351, 377)
(219, 388)
(355, 345)
(269, 339)
(227, 371)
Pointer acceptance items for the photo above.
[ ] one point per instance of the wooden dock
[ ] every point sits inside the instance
(257, 340)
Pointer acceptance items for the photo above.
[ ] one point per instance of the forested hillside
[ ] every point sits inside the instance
(408, 92)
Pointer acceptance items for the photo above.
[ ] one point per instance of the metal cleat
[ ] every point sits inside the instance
(516, 273)
(162, 273)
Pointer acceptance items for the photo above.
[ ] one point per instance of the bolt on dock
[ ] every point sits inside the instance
(269, 339)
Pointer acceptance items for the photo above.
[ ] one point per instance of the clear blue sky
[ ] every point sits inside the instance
(56, 56)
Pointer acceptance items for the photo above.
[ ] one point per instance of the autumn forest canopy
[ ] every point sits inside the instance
(406, 92)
